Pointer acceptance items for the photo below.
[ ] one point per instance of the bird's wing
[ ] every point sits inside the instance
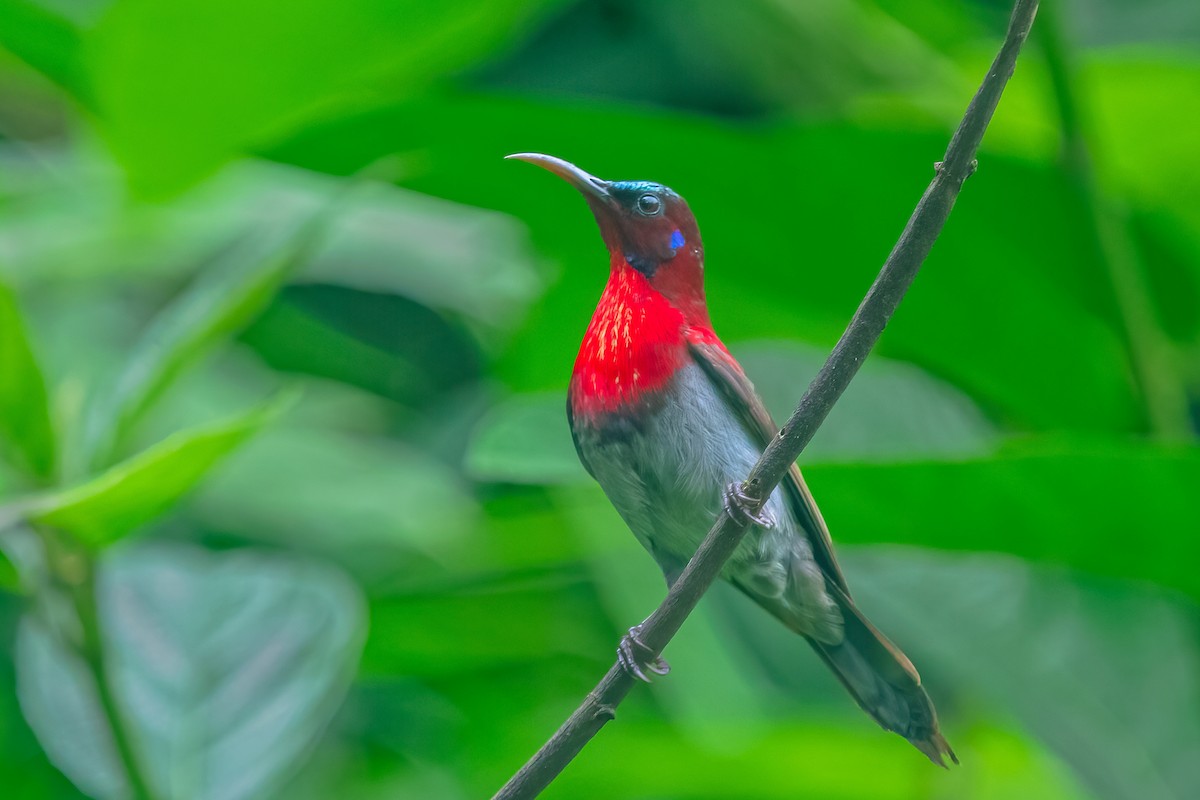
(726, 374)
(876, 672)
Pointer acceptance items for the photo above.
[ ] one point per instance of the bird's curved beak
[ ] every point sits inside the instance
(589, 185)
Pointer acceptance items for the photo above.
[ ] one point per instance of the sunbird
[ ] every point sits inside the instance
(666, 421)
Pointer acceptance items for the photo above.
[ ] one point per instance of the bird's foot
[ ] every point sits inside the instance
(634, 655)
(737, 505)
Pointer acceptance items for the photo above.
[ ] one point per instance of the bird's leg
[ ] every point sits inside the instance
(737, 505)
(634, 655)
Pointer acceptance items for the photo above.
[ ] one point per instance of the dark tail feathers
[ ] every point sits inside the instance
(884, 682)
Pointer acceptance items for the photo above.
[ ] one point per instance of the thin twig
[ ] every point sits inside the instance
(848, 355)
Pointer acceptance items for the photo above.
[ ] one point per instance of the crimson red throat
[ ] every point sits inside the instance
(666, 421)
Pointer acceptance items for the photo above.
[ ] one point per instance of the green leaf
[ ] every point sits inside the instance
(892, 411)
(470, 261)
(225, 298)
(1115, 509)
(48, 42)
(1107, 675)
(28, 773)
(10, 576)
(525, 439)
(173, 112)
(134, 492)
(541, 623)
(1134, 101)
(25, 427)
(226, 668)
(384, 499)
(806, 758)
(382, 238)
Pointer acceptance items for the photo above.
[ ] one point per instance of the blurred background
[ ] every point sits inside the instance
(284, 345)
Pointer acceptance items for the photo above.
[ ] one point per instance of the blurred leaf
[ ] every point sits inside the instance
(28, 773)
(525, 439)
(1169, 250)
(10, 578)
(48, 42)
(1120, 510)
(172, 112)
(365, 502)
(473, 263)
(221, 301)
(943, 25)
(25, 427)
(811, 758)
(455, 631)
(10, 574)
(1106, 675)
(892, 410)
(1005, 765)
(226, 667)
(385, 343)
(23, 567)
(749, 59)
(1109, 23)
(523, 533)
(1134, 101)
(135, 491)
(69, 217)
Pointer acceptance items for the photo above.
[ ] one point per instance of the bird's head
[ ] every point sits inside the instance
(646, 226)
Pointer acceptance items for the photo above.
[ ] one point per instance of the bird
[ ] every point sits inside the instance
(665, 420)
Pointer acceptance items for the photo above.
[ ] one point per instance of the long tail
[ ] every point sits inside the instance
(877, 674)
(883, 682)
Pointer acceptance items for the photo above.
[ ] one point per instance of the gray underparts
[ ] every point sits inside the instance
(667, 480)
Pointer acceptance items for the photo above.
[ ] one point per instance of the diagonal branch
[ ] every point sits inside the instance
(848, 355)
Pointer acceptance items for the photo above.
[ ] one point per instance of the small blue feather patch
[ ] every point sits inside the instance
(676, 239)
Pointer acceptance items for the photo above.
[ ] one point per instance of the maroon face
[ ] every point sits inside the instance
(647, 223)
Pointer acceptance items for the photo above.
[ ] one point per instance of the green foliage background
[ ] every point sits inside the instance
(284, 341)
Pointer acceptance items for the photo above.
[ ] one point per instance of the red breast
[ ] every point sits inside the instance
(635, 343)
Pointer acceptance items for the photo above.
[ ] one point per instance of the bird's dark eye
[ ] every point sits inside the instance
(649, 205)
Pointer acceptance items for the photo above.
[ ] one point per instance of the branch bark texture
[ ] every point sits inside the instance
(860, 337)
